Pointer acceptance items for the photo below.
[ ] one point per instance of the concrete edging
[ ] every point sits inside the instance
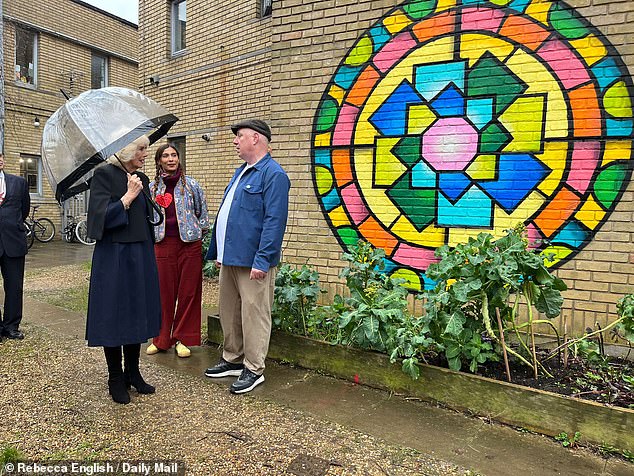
(536, 410)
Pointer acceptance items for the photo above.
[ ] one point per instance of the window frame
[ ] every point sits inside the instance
(174, 20)
(106, 68)
(34, 54)
(24, 158)
(265, 8)
(181, 145)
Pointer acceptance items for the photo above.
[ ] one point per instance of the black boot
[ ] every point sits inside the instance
(132, 374)
(116, 383)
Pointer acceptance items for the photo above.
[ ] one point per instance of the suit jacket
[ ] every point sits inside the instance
(108, 184)
(13, 211)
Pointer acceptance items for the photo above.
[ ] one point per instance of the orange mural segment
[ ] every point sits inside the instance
(363, 86)
(341, 166)
(434, 27)
(378, 236)
(585, 111)
(558, 211)
(524, 31)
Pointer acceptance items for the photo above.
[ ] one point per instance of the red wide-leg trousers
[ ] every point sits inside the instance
(181, 282)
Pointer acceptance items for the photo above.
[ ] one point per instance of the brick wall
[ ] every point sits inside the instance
(357, 136)
(557, 158)
(222, 76)
(68, 32)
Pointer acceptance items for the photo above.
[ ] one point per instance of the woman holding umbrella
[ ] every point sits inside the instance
(124, 307)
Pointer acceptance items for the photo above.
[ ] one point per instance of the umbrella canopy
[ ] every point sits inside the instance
(90, 128)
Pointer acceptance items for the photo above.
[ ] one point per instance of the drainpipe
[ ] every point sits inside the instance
(1, 77)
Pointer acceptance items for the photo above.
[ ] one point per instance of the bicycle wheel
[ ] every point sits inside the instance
(81, 232)
(68, 234)
(43, 229)
(29, 236)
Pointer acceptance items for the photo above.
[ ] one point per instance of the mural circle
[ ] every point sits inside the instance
(448, 118)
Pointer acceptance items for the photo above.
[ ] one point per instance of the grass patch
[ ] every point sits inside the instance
(73, 299)
(9, 454)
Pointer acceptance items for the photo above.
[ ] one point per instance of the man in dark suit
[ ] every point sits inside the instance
(15, 204)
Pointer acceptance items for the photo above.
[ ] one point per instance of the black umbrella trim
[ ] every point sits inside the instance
(65, 188)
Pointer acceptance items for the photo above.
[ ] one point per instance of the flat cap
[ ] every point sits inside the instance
(257, 125)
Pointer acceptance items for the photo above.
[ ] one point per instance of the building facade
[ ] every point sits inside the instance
(50, 46)
(417, 123)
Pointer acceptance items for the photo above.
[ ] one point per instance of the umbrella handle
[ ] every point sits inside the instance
(156, 208)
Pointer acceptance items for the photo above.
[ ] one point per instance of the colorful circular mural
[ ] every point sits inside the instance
(448, 118)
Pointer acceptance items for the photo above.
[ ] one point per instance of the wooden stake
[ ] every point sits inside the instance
(506, 357)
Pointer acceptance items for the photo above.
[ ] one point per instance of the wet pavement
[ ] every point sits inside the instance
(474, 443)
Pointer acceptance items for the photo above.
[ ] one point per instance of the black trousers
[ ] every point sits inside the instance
(13, 278)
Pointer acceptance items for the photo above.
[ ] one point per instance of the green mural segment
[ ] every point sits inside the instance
(327, 115)
(489, 77)
(608, 184)
(494, 138)
(348, 235)
(419, 9)
(408, 150)
(419, 205)
(566, 22)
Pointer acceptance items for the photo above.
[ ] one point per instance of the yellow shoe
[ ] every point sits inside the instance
(152, 349)
(182, 350)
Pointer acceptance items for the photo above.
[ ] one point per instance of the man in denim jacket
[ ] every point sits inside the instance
(246, 243)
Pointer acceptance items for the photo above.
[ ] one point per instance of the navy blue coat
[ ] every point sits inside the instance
(13, 211)
(124, 305)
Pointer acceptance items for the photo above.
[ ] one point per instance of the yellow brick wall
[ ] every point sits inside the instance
(67, 34)
(237, 65)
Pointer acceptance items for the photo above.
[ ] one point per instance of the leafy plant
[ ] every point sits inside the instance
(296, 292)
(568, 441)
(475, 279)
(9, 454)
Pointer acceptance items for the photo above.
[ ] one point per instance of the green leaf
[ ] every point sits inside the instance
(549, 301)
(455, 363)
(455, 323)
(452, 351)
(410, 367)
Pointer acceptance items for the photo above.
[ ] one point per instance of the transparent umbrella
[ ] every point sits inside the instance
(93, 126)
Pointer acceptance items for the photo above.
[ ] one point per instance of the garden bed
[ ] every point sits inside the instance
(533, 409)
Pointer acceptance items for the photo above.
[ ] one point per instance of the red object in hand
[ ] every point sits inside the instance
(164, 200)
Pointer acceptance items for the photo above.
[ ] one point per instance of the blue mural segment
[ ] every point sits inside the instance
(606, 72)
(618, 127)
(331, 200)
(423, 176)
(346, 75)
(474, 209)
(391, 118)
(431, 79)
(449, 103)
(519, 5)
(380, 36)
(323, 157)
(390, 265)
(476, 2)
(429, 283)
(572, 234)
(480, 111)
(453, 184)
(518, 174)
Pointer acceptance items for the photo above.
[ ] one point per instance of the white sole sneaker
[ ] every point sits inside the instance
(256, 382)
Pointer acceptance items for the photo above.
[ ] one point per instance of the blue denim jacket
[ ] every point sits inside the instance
(257, 217)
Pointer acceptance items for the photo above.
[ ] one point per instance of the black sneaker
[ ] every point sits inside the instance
(224, 369)
(246, 382)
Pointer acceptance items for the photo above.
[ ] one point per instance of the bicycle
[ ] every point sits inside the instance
(30, 238)
(77, 231)
(42, 229)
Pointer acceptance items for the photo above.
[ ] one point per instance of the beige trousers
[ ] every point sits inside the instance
(245, 315)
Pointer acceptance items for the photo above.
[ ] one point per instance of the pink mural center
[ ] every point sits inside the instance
(450, 144)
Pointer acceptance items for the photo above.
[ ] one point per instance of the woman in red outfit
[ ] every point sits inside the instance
(178, 252)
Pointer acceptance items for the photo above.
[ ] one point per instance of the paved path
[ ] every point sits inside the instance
(473, 443)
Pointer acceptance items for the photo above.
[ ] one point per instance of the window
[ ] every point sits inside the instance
(179, 25)
(25, 56)
(180, 143)
(31, 170)
(98, 71)
(266, 8)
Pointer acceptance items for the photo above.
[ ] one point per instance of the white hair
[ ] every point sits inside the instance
(127, 153)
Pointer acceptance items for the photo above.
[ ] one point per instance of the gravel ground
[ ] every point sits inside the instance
(56, 407)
